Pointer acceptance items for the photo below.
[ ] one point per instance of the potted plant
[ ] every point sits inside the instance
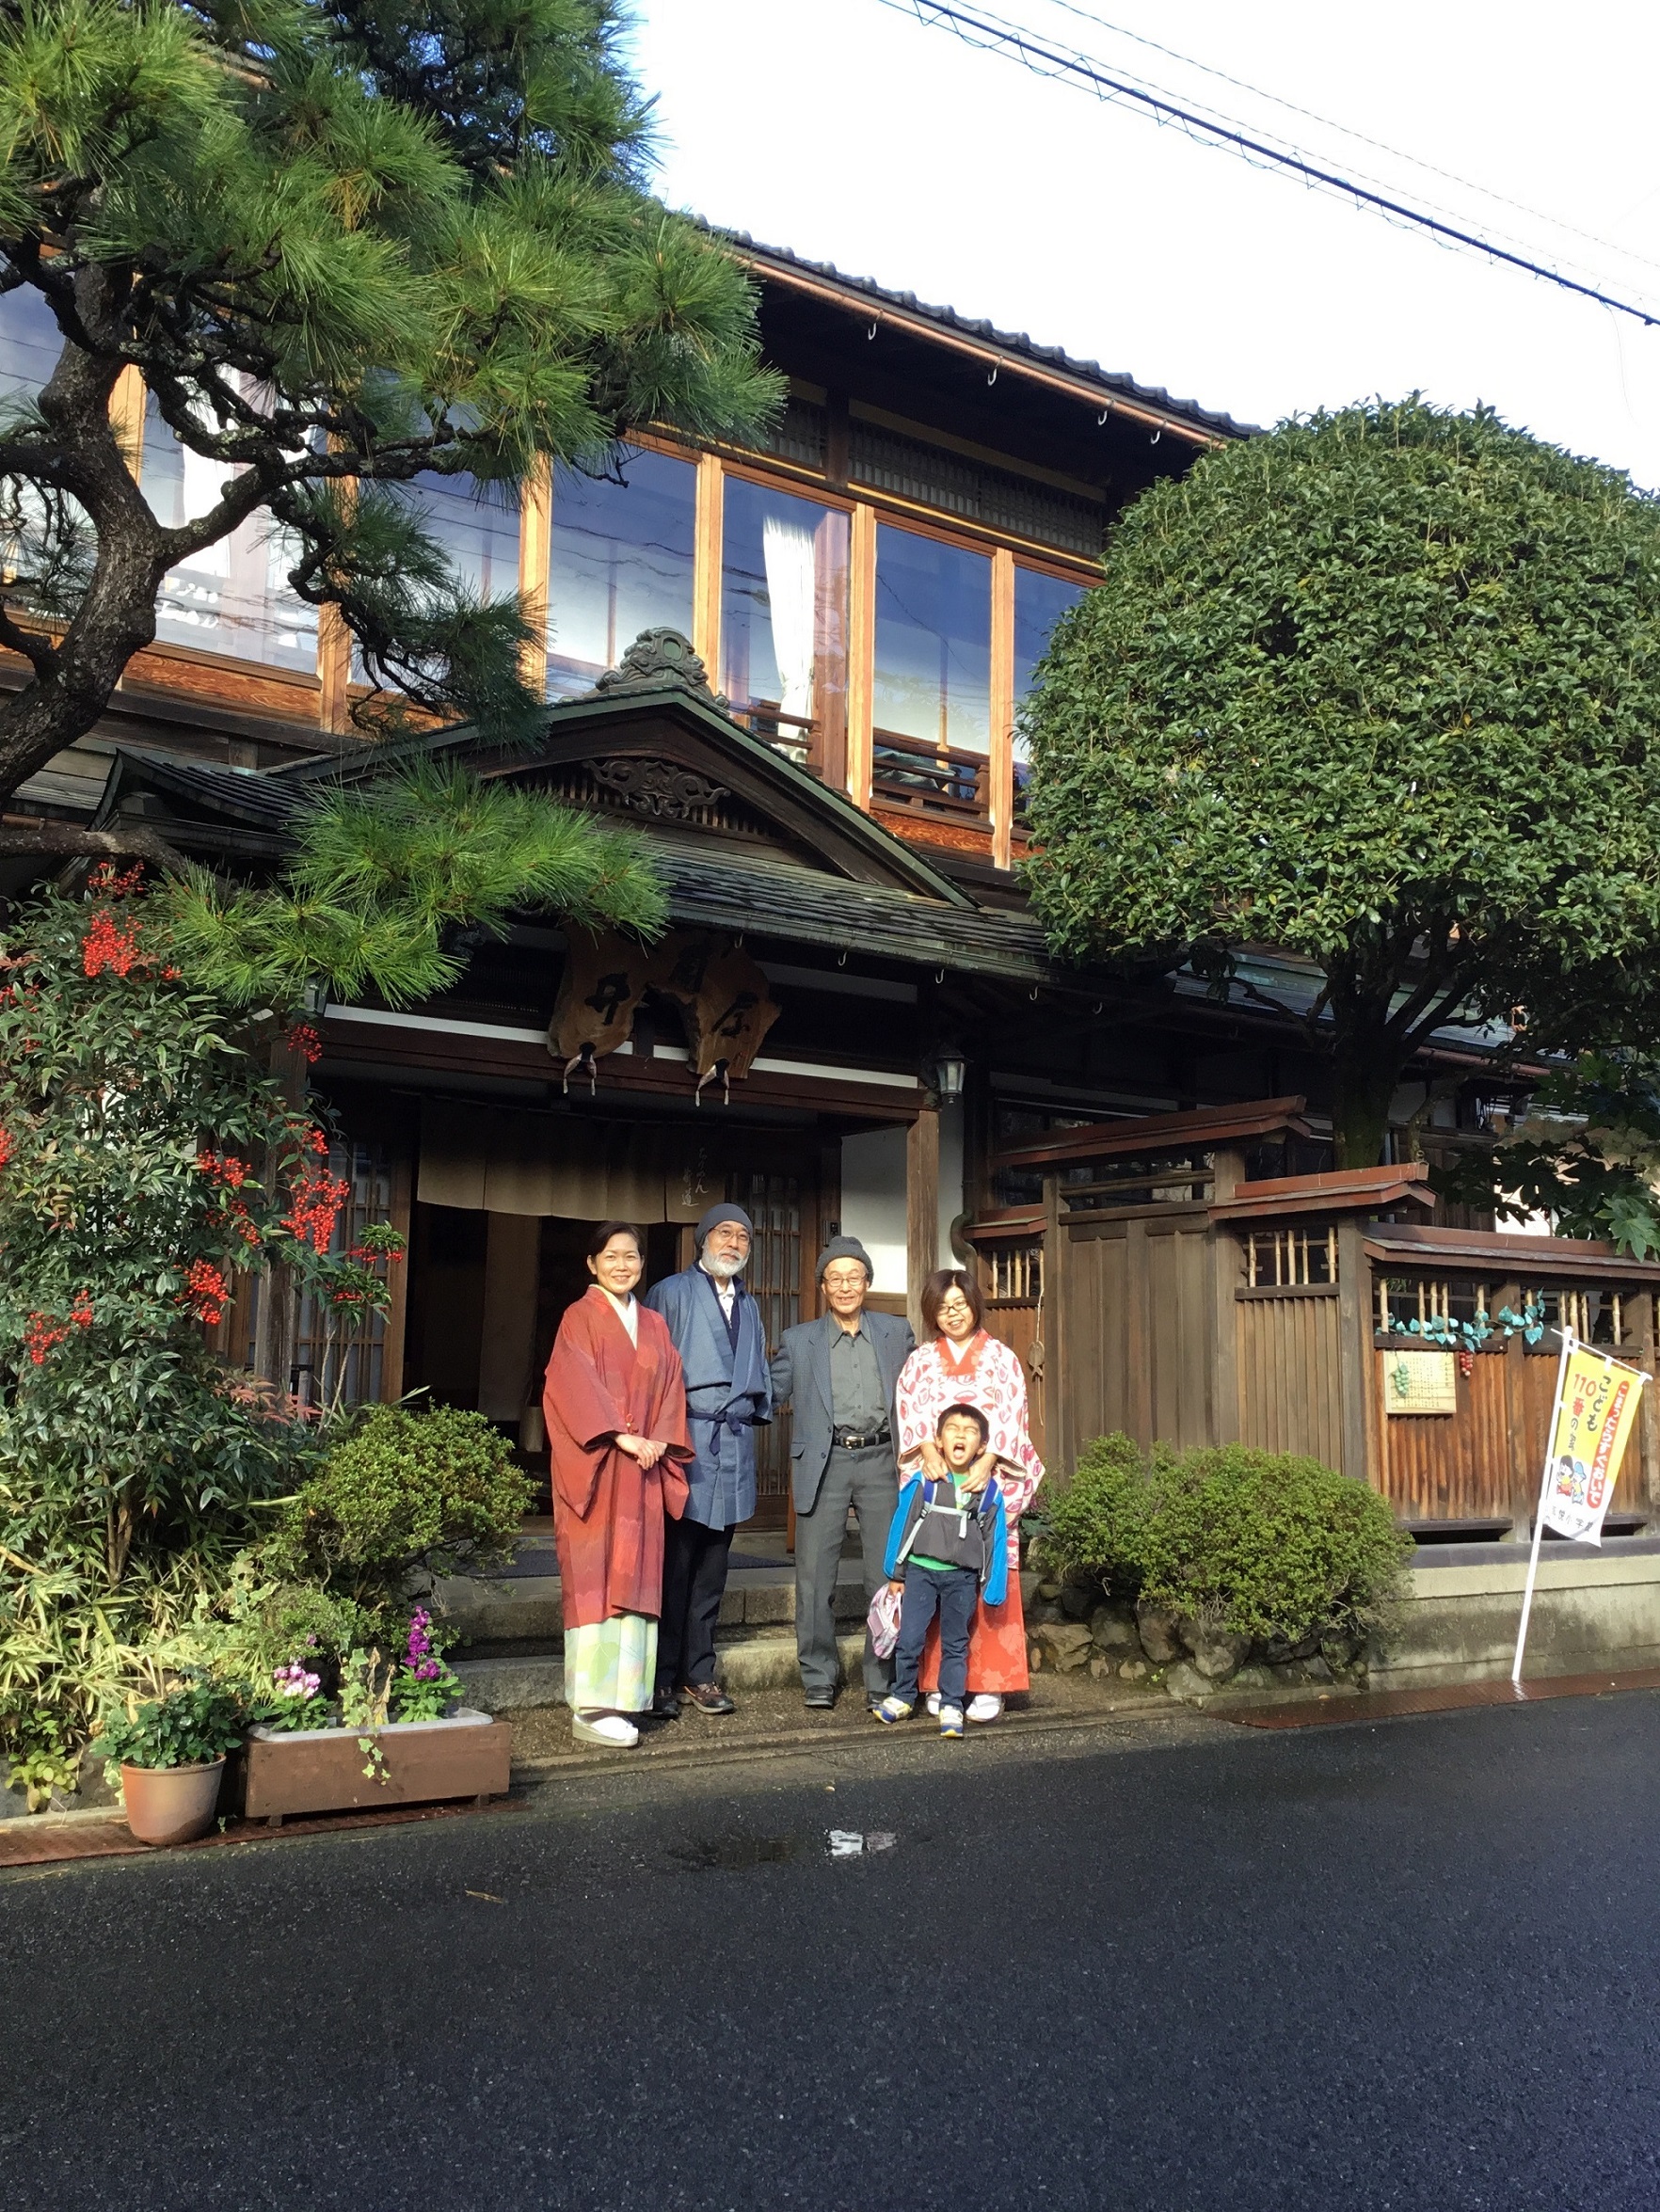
(396, 1734)
(171, 1754)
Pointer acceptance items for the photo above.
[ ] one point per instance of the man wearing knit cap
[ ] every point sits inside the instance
(718, 1334)
(841, 1370)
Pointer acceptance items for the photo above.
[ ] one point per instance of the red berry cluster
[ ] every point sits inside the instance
(303, 1039)
(224, 1168)
(314, 1199)
(8, 1146)
(206, 1288)
(106, 945)
(43, 1333)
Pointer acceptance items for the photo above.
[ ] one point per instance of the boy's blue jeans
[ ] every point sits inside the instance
(952, 1592)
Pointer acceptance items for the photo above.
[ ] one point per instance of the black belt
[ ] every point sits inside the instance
(851, 1439)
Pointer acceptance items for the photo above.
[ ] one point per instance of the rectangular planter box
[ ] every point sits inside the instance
(321, 1769)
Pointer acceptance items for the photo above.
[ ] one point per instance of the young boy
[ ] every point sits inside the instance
(948, 1546)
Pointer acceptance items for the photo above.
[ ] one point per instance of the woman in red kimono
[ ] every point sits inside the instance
(616, 1406)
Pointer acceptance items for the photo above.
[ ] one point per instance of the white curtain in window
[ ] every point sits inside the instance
(204, 481)
(787, 550)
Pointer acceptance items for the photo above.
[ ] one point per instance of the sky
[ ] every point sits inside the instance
(847, 132)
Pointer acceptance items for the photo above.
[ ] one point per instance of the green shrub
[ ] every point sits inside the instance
(197, 1722)
(1259, 1544)
(405, 1489)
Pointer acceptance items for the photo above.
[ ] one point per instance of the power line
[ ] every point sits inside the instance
(1360, 137)
(986, 31)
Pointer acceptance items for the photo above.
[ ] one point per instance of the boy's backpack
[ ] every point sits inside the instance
(960, 1534)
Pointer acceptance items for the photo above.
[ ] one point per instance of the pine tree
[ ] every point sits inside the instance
(343, 242)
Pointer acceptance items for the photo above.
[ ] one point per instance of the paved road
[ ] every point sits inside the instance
(1409, 1965)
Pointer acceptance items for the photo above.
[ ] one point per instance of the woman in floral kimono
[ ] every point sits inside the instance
(616, 1406)
(962, 1365)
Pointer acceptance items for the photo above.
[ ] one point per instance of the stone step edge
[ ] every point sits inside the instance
(753, 1662)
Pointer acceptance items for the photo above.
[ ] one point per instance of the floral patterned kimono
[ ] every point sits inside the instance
(989, 1377)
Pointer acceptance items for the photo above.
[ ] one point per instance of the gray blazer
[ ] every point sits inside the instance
(801, 1370)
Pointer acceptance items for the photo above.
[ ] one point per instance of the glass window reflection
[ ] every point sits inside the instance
(620, 562)
(1039, 603)
(233, 596)
(932, 692)
(30, 343)
(784, 621)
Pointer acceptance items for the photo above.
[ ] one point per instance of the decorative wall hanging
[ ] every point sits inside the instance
(605, 978)
(725, 1002)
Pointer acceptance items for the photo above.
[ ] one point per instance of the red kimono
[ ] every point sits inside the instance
(607, 1509)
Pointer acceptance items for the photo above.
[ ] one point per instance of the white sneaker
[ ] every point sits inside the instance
(984, 1707)
(934, 1703)
(609, 1728)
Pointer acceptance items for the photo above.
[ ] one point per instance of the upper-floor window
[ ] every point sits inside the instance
(475, 526)
(931, 689)
(1039, 601)
(784, 620)
(621, 562)
(233, 596)
(30, 343)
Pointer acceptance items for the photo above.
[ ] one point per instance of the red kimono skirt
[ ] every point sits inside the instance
(607, 1509)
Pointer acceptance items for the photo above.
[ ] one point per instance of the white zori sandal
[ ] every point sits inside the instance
(983, 1706)
(609, 1728)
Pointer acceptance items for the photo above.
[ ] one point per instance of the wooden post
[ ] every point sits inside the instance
(1524, 1475)
(1227, 1267)
(274, 1323)
(861, 653)
(1355, 1364)
(1000, 767)
(391, 1357)
(334, 671)
(921, 1207)
(706, 565)
(535, 546)
(1052, 1320)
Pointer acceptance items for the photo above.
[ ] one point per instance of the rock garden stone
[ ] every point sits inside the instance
(1185, 1681)
(1216, 1654)
(1159, 1637)
(1134, 1670)
(1113, 1629)
(1079, 1599)
(1065, 1645)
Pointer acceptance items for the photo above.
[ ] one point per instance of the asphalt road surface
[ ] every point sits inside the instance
(1408, 1965)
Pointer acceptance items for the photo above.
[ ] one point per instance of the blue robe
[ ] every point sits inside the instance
(728, 1392)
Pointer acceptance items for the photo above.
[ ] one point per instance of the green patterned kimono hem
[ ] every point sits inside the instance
(611, 1666)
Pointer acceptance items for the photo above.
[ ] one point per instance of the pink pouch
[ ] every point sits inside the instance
(882, 1620)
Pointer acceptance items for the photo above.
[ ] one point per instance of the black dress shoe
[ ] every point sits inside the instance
(667, 1704)
(708, 1698)
(821, 1700)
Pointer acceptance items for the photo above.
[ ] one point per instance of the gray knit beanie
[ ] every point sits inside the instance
(845, 1248)
(713, 1218)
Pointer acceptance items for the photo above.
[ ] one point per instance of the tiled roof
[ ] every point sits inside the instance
(1017, 342)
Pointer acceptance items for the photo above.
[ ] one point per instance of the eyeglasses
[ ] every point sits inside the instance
(956, 1304)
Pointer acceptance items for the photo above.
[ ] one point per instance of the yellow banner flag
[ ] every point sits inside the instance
(1596, 1409)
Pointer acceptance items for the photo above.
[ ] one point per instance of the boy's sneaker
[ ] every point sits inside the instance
(893, 1709)
(950, 1720)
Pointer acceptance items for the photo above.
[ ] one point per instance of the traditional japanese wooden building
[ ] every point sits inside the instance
(797, 673)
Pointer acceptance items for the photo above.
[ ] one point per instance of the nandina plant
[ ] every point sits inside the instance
(147, 1164)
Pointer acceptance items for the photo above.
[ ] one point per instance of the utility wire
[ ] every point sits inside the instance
(988, 32)
(1360, 137)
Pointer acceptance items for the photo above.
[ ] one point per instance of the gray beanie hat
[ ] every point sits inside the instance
(713, 1218)
(845, 1248)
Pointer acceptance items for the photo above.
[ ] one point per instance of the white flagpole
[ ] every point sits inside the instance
(1545, 1484)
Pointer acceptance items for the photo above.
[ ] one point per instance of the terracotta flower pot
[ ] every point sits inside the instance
(171, 1804)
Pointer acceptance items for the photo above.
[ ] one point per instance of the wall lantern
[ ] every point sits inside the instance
(949, 1070)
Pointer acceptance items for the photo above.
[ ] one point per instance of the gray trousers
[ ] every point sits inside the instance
(869, 1482)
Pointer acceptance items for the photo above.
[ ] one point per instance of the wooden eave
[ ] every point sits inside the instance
(1344, 1190)
(1502, 1254)
(1195, 1131)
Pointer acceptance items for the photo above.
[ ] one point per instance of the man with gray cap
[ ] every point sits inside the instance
(718, 1334)
(841, 1370)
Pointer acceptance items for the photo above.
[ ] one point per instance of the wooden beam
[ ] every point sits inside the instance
(861, 653)
(1002, 706)
(921, 1207)
(1348, 1190)
(535, 546)
(706, 565)
(334, 671)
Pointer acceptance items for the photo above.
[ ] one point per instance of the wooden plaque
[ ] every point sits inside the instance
(1420, 1382)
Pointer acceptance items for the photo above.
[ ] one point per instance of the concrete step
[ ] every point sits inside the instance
(526, 1609)
(763, 1660)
